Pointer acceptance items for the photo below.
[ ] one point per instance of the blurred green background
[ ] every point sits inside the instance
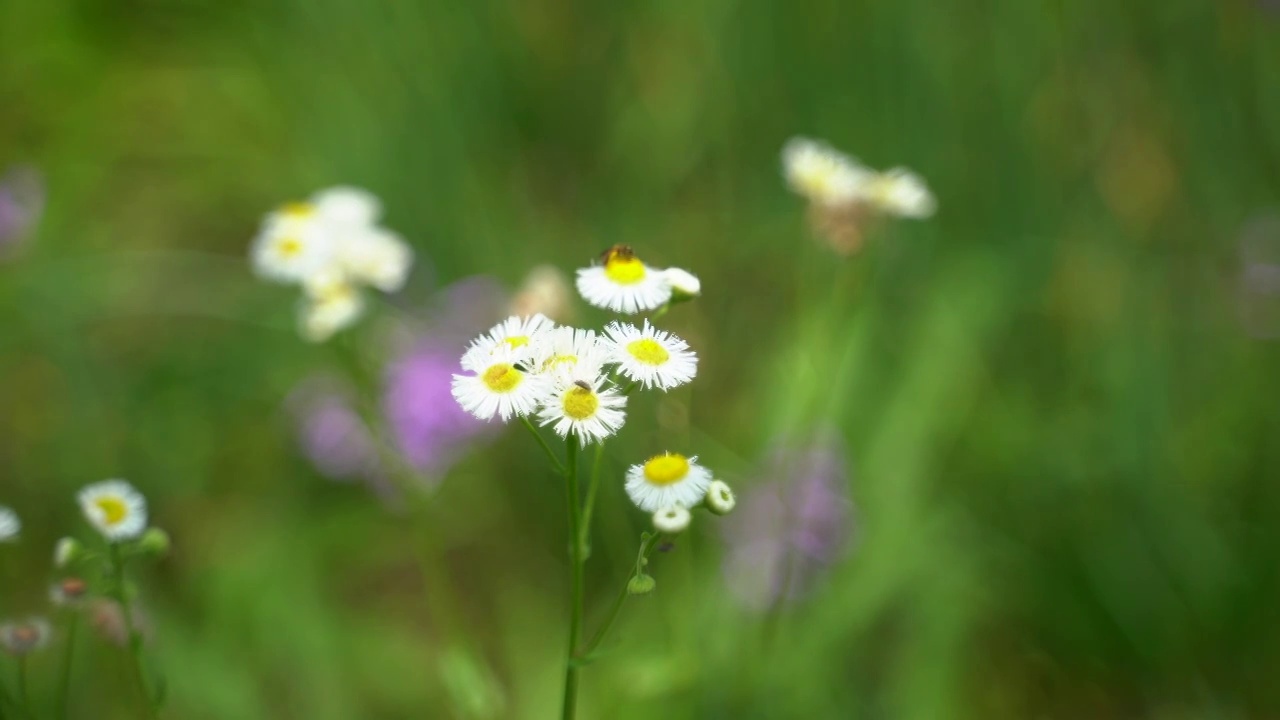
(1064, 443)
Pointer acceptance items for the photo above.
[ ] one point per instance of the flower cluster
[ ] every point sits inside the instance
(577, 380)
(332, 246)
(844, 195)
(623, 283)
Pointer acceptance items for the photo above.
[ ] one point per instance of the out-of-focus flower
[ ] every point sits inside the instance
(23, 637)
(332, 246)
(69, 592)
(623, 283)
(1259, 277)
(789, 528)
(845, 197)
(672, 519)
(108, 621)
(665, 480)
(10, 525)
(651, 357)
(66, 552)
(333, 436)
(22, 198)
(115, 509)
(545, 291)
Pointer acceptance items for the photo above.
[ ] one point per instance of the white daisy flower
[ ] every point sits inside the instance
(330, 304)
(672, 519)
(10, 525)
(114, 509)
(498, 386)
(720, 499)
(821, 173)
(652, 357)
(349, 208)
(666, 480)
(623, 283)
(25, 636)
(377, 257)
(566, 348)
(584, 403)
(900, 192)
(683, 282)
(292, 245)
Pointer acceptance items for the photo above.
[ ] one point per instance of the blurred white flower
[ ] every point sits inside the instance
(666, 480)
(672, 519)
(66, 552)
(377, 257)
(683, 282)
(68, 592)
(844, 193)
(651, 357)
(115, 509)
(22, 637)
(900, 192)
(329, 305)
(10, 525)
(822, 174)
(347, 208)
(292, 245)
(623, 283)
(545, 291)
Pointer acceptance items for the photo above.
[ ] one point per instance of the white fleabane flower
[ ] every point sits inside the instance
(821, 173)
(683, 282)
(622, 283)
(377, 257)
(652, 357)
(115, 509)
(666, 480)
(583, 402)
(330, 304)
(10, 525)
(292, 245)
(25, 636)
(65, 552)
(672, 519)
(498, 387)
(345, 207)
(900, 192)
(566, 347)
(720, 499)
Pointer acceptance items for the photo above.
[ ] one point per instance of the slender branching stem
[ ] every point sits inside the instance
(576, 558)
(64, 679)
(551, 455)
(642, 557)
(132, 636)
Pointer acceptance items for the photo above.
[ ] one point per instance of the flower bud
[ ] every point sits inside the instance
(154, 542)
(671, 519)
(720, 499)
(67, 551)
(641, 585)
(684, 284)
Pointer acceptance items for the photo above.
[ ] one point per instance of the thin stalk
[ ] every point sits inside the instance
(593, 484)
(551, 455)
(22, 681)
(570, 707)
(131, 632)
(64, 680)
(646, 548)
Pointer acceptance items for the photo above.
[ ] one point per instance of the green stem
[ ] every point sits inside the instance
(64, 680)
(570, 708)
(131, 631)
(551, 455)
(593, 484)
(642, 558)
(22, 681)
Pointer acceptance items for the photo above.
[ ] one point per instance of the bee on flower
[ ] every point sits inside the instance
(582, 400)
(845, 196)
(332, 246)
(623, 283)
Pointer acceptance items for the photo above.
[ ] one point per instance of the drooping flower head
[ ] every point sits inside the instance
(665, 480)
(651, 357)
(788, 529)
(623, 283)
(10, 525)
(115, 509)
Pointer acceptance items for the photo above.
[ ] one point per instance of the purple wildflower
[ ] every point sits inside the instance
(21, 204)
(788, 529)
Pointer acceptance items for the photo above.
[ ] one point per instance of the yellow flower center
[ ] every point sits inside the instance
(580, 403)
(560, 360)
(648, 351)
(113, 509)
(516, 341)
(666, 469)
(502, 378)
(297, 210)
(624, 269)
(289, 246)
